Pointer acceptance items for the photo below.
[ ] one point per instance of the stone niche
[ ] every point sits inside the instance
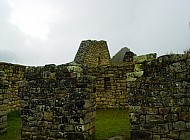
(57, 102)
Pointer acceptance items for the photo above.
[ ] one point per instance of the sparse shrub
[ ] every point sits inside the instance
(187, 51)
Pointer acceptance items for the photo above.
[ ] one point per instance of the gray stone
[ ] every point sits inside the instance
(2, 113)
(152, 111)
(163, 128)
(175, 109)
(188, 125)
(5, 101)
(164, 110)
(180, 126)
(154, 119)
(173, 135)
(171, 117)
(184, 136)
(156, 137)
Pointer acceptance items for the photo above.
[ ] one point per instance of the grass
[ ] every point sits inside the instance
(112, 122)
(109, 123)
(13, 127)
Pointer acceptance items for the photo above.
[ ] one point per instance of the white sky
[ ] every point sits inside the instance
(38, 32)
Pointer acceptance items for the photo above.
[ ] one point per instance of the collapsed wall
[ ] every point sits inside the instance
(57, 102)
(160, 100)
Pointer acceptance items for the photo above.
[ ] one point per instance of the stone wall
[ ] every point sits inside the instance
(111, 85)
(3, 102)
(57, 102)
(111, 81)
(93, 53)
(13, 74)
(160, 100)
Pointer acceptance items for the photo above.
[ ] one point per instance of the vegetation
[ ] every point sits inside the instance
(109, 123)
(112, 122)
(13, 127)
(187, 51)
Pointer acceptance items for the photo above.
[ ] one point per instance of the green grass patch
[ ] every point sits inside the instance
(112, 122)
(13, 127)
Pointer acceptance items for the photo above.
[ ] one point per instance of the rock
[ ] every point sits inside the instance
(180, 126)
(173, 135)
(164, 110)
(184, 136)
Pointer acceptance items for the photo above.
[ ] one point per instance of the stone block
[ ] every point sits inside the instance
(48, 116)
(175, 109)
(188, 125)
(156, 137)
(184, 136)
(163, 128)
(164, 110)
(2, 113)
(179, 126)
(152, 111)
(154, 119)
(171, 117)
(140, 135)
(173, 135)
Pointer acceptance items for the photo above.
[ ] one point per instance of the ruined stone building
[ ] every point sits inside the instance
(93, 53)
(59, 102)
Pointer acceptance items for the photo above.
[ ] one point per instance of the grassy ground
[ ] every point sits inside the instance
(13, 127)
(112, 122)
(109, 123)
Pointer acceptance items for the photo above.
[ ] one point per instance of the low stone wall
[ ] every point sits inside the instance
(3, 102)
(160, 100)
(57, 102)
(13, 74)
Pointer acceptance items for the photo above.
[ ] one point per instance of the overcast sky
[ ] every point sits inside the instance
(38, 32)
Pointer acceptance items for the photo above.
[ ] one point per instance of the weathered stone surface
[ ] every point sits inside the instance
(180, 125)
(58, 103)
(156, 89)
(48, 116)
(154, 119)
(12, 75)
(171, 117)
(156, 137)
(164, 85)
(140, 135)
(3, 102)
(163, 128)
(147, 57)
(173, 135)
(164, 110)
(188, 125)
(111, 86)
(184, 135)
(93, 53)
(175, 109)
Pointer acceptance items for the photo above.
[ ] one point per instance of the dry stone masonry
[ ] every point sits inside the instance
(160, 100)
(93, 53)
(13, 74)
(3, 102)
(111, 86)
(57, 102)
